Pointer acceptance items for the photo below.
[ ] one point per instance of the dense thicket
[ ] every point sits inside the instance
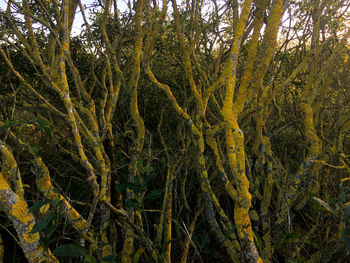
(194, 131)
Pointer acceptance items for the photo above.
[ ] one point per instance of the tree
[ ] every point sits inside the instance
(216, 122)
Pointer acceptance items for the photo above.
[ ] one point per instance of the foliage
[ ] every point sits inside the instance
(183, 131)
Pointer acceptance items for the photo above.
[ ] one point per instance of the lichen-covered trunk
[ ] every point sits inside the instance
(23, 221)
(235, 149)
(43, 181)
(140, 130)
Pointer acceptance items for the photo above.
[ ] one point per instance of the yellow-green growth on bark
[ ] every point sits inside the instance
(211, 141)
(45, 186)
(235, 144)
(10, 170)
(186, 51)
(23, 221)
(128, 246)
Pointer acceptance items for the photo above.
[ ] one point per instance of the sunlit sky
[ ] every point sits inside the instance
(122, 5)
(78, 21)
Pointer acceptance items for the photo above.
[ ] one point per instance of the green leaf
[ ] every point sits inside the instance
(346, 238)
(57, 203)
(205, 241)
(347, 213)
(109, 258)
(314, 205)
(138, 255)
(112, 258)
(49, 230)
(132, 203)
(297, 260)
(154, 194)
(7, 125)
(287, 238)
(35, 208)
(258, 241)
(163, 248)
(324, 204)
(44, 241)
(148, 178)
(56, 190)
(122, 187)
(45, 127)
(137, 188)
(10, 123)
(139, 165)
(42, 222)
(89, 259)
(70, 250)
(324, 252)
(148, 169)
(34, 150)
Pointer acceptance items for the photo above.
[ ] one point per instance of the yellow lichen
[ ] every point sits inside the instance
(20, 211)
(31, 237)
(3, 184)
(73, 214)
(243, 223)
(44, 209)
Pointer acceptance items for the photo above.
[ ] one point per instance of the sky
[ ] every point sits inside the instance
(78, 21)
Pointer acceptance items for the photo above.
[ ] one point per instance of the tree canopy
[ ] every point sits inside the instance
(175, 131)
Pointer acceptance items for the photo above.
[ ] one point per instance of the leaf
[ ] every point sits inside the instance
(137, 188)
(89, 259)
(34, 150)
(148, 178)
(346, 238)
(148, 169)
(44, 241)
(35, 208)
(347, 213)
(205, 241)
(122, 187)
(50, 229)
(257, 239)
(324, 252)
(324, 204)
(44, 126)
(287, 238)
(314, 205)
(137, 179)
(138, 255)
(56, 190)
(132, 203)
(8, 124)
(154, 194)
(70, 250)
(44, 209)
(297, 260)
(42, 222)
(163, 248)
(111, 258)
(57, 203)
(139, 165)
